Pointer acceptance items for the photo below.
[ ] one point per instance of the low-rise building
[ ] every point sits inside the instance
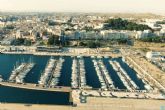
(152, 55)
(142, 34)
(112, 34)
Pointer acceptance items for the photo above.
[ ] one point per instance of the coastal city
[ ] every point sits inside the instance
(82, 60)
(120, 68)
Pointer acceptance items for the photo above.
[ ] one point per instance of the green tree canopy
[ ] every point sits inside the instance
(21, 41)
(93, 44)
(53, 40)
(120, 24)
(157, 39)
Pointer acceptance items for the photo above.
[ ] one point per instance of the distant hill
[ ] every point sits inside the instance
(116, 15)
(137, 15)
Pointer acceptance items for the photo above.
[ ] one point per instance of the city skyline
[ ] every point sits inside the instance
(125, 6)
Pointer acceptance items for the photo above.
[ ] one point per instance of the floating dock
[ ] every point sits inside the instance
(127, 81)
(78, 73)
(46, 75)
(20, 72)
(103, 75)
(56, 73)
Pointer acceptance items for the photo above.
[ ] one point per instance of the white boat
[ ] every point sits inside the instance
(123, 59)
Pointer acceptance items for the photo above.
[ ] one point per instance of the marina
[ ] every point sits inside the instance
(82, 55)
(96, 76)
(53, 72)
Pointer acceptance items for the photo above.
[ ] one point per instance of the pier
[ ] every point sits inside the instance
(100, 77)
(102, 73)
(125, 75)
(78, 73)
(129, 84)
(47, 74)
(50, 76)
(82, 72)
(126, 84)
(20, 72)
(36, 87)
(54, 80)
(106, 75)
(74, 77)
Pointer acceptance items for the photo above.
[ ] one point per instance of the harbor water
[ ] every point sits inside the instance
(15, 95)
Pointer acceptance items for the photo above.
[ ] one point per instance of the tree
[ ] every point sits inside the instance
(92, 44)
(22, 41)
(53, 40)
(9, 27)
(45, 33)
(82, 43)
(119, 24)
(161, 22)
(88, 28)
(51, 23)
(19, 41)
(27, 42)
(122, 41)
(38, 35)
(156, 39)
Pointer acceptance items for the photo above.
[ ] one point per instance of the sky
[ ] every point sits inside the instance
(129, 6)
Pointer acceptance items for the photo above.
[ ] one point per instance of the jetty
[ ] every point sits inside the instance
(31, 86)
(20, 72)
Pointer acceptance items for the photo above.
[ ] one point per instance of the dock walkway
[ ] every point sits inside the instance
(36, 87)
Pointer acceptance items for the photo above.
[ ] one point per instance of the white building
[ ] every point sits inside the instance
(2, 24)
(152, 23)
(152, 55)
(112, 34)
(162, 32)
(142, 34)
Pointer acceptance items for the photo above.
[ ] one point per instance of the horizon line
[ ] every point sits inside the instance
(30, 11)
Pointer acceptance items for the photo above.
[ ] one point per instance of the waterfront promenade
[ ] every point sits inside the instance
(94, 103)
(64, 52)
(108, 54)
